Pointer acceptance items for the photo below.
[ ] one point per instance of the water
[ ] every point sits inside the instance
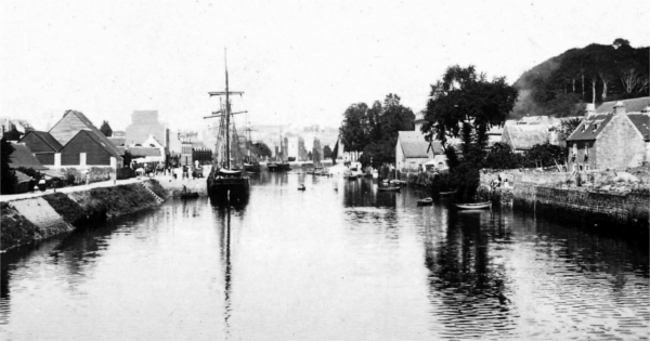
(338, 261)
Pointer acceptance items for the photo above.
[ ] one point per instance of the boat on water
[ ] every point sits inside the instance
(425, 201)
(389, 189)
(226, 181)
(189, 195)
(475, 205)
(279, 167)
(252, 167)
(447, 193)
(302, 187)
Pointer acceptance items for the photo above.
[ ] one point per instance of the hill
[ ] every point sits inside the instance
(561, 85)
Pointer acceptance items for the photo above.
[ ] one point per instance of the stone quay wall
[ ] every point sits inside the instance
(609, 196)
(32, 219)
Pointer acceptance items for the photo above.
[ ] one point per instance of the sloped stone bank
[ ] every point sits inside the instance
(28, 220)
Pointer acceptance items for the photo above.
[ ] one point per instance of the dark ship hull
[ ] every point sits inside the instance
(228, 185)
(279, 167)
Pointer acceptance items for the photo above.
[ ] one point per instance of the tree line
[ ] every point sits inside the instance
(596, 73)
(372, 130)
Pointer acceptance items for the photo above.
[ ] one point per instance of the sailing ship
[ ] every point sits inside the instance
(281, 165)
(251, 165)
(226, 180)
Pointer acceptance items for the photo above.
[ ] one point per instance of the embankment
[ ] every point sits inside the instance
(608, 198)
(27, 220)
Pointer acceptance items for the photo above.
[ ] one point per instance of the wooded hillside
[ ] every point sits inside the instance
(596, 73)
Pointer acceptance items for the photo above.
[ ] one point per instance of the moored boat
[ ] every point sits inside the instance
(225, 182)
(389, 189)
(475, 205)
(447, 193)
(425, 201)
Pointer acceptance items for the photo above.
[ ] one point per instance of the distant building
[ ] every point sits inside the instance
(143, 124)
(607, 141)
(43, 145)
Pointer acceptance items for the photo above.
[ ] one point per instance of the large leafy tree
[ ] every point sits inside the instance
(355, 129)
(465, 104)
(374, 130)
(8, 180)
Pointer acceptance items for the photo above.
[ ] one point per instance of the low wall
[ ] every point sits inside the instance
(622, 203)
(27, 220)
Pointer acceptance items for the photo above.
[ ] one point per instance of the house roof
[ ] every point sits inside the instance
(413, 144)
(23, 157)
(631, 105)
(144, 151)
(107, 145)
(590, 128)
(524, 137)
(436, 146)
(89, 125)
(47, 138)
(642, 123)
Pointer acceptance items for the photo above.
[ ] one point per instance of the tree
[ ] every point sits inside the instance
(501, 156)
(465, 104)
(544, 155)
(354, 130)
(618, 42)
(327, 152)
(106, 129)
(8, 180)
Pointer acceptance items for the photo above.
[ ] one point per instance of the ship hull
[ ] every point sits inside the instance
(228, 188)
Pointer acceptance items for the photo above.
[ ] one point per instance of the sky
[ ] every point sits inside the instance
(298, 62)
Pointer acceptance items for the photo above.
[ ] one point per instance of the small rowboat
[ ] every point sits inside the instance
(389, 189)
(302, 188)
(425, 201)
(447, 193)
(189, 195)
(475, 205)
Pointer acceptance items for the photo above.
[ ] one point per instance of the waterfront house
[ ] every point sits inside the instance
(88, 149)
(43, 145)
(606, 141)
(412, 151)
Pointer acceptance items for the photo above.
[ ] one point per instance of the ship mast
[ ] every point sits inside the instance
(226, 112)
(227, 115)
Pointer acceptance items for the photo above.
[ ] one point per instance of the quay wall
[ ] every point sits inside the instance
(32, 219)
(605, 196)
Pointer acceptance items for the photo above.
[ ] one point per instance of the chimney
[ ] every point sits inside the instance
(590, 110)
(619, 108)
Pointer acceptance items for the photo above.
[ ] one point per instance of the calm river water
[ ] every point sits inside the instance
(338, 261)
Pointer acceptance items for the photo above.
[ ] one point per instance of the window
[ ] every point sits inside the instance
(575, 149)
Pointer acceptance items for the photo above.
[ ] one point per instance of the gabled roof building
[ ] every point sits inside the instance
(608, 141)
(43, 145)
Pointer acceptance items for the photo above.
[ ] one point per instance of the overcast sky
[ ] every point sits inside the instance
(300, 62)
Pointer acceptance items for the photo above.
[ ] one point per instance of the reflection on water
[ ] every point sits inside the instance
(337, 261)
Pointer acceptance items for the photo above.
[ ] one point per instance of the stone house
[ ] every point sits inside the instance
(606, 141)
